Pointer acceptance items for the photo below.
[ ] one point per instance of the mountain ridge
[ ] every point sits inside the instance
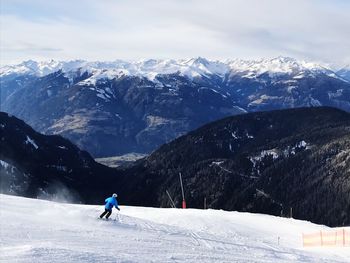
(150, 68)
(108, 111)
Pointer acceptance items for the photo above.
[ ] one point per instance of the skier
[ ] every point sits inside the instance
(110, 202)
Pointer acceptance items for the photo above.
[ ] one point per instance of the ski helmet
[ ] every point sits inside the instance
(114, 195)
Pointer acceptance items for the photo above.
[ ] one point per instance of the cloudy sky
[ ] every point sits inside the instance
(316, 30)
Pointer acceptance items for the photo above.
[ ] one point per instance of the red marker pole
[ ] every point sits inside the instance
(183, 195)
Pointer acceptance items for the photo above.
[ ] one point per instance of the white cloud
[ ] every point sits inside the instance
(133, 29)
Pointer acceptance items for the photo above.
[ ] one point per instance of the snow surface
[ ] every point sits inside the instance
(150, 68)
(44, 231)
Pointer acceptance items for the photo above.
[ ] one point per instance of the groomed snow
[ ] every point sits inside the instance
(43, 231)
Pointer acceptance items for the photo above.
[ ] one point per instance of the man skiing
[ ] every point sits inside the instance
(110, 202)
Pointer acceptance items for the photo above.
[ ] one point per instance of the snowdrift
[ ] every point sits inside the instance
(42, 231)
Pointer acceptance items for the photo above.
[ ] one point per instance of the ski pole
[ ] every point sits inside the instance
(117, 215)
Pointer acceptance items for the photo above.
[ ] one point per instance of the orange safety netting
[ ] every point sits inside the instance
(336, 238)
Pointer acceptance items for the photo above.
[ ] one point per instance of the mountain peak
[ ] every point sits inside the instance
(198, 61)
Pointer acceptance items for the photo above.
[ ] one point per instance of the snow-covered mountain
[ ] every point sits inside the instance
(43, 231)
(114, 108)
(195, 67)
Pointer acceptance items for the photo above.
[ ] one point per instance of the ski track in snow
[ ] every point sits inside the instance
(41, 231)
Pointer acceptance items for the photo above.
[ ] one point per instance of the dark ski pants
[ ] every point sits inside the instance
(108, 212)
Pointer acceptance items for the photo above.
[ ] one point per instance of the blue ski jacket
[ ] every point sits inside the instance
(110, 202)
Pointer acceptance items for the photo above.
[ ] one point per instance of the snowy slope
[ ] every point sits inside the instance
(42, 231)
(191, 68)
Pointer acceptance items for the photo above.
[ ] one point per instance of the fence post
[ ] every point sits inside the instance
(321, 238)
(183, 195)
(336, 238)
